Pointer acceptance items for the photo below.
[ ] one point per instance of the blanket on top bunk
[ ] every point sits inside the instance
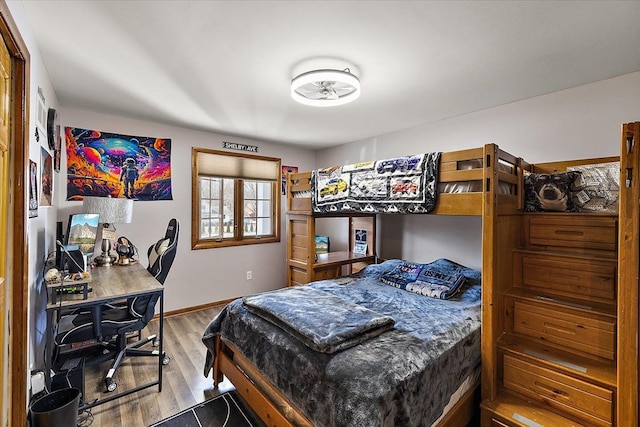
(404, 376)
(399, 185)
(321, 321)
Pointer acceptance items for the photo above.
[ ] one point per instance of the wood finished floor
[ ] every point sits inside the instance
(184, 384)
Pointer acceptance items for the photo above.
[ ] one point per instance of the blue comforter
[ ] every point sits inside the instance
(320, 320)
(404, 376)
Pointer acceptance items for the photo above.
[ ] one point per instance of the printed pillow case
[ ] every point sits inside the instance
(440, 279)
(598, 187)
(549, 191)
(402, 275)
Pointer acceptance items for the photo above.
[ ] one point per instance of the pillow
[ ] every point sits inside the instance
(549, 191)
(378, 269)
(440, 279)
(597, 188)
(402, 274)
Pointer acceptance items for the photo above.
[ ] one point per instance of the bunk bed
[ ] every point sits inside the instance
(560, 300)
(487, 182)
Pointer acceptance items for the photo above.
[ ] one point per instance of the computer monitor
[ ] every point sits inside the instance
(82, 230)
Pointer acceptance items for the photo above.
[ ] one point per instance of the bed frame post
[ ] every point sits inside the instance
(628, 259)
(501, 233)
(489, 263)
(218, 377)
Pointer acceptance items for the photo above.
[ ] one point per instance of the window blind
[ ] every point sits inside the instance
(230, 165)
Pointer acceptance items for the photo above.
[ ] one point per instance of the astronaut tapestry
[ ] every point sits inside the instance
(399, 185)
(106, 164)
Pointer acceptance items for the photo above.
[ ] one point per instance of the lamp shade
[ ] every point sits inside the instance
(111, 210)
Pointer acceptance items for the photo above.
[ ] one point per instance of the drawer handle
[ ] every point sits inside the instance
(570, 232)
(559, 328)
(552, 390)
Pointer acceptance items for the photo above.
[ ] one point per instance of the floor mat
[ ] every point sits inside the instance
(225, 410)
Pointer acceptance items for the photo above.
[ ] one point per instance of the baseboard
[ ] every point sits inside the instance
(194, 308)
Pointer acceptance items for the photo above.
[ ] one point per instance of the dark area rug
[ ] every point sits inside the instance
(225, 410)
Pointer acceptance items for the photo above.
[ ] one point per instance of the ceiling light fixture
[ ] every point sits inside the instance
(325, 88)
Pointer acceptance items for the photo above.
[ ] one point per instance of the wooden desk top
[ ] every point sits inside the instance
(111, 284)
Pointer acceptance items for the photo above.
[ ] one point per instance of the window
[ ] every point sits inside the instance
(236, 199)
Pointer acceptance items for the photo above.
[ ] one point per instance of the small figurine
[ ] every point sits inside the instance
(53, 277)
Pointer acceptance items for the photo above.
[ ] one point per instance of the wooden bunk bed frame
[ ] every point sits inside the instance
(505, 235)
(605, 374)
(498, 213)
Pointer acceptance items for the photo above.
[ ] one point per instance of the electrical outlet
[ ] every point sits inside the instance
(249, 275)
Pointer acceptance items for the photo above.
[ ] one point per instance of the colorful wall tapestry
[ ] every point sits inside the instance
(106, 164)
(399, 185)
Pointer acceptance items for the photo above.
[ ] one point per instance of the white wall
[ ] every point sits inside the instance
(41, 229)
(197, 276)
(581, 122)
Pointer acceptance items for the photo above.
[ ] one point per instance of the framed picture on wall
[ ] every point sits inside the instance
(33, 189)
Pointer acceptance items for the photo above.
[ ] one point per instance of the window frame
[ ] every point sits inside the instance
(238, 238)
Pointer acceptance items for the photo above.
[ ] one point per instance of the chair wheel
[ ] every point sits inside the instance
(111, 385)
(166, 360)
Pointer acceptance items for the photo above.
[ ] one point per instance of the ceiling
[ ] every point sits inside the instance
(226, 66)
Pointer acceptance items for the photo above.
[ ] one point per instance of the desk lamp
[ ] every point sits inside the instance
(111, 211)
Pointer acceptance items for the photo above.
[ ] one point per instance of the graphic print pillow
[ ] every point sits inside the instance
(549, 191)
(440, 279)
(598, 187)
(402, 275)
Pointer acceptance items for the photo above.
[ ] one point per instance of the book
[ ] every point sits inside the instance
(322, 244)
(360, 243)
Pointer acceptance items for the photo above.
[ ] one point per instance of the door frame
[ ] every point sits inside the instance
(17, 243)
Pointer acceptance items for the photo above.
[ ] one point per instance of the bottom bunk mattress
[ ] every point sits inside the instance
(404, 375)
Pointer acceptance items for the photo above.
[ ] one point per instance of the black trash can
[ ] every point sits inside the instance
(56, 409)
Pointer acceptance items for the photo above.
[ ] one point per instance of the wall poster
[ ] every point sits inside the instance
(107, 164)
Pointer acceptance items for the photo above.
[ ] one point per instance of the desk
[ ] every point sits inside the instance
(109, 284)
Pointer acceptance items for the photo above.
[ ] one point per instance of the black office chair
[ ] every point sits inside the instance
(106, 322)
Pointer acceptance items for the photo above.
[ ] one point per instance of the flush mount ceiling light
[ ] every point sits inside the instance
(325, 88)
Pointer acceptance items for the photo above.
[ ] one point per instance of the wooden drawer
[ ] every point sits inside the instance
(327, 273)
(570, 395)
(580, 233)
(592, 335)
(575, 277)
(298, 276)
(509, 410)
